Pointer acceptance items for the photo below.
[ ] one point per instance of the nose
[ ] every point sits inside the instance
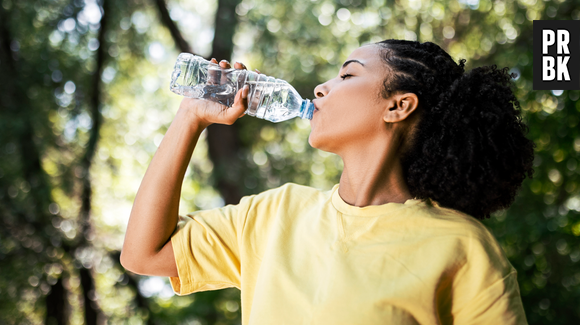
(320, 90)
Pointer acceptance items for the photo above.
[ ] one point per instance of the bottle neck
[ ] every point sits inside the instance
(306, 109)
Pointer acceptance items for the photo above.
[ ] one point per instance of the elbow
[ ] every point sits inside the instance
(161, 263)
(129, 262)
(125, 261)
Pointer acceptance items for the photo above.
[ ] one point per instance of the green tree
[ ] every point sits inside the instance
(84, 102)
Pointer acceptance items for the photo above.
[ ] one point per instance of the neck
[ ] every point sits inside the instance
(373, 177)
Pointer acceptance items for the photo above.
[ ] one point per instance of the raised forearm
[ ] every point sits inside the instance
(147, 249)
(155, 210)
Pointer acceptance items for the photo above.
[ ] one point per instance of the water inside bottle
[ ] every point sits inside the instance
(273, 100)
(217, 85)
(268, 98)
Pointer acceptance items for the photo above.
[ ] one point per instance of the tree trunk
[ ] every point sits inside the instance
(181, 43)
(15, 102)
(56, 302)
(223, 144)
(223, 140)
(142, 302)
(92, 309)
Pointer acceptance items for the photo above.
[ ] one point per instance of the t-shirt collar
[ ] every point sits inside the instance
(368, 211)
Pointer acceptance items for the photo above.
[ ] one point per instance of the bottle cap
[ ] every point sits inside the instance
(307, 109)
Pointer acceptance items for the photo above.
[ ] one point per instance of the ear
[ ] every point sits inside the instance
(400, 106)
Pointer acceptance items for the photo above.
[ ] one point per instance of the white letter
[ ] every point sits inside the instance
(563, 68)
(548, 39)
(548, 72)
(563, 40)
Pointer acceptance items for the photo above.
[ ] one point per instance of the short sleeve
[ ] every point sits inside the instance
(206, 249)
(486, 290)
(500, 303)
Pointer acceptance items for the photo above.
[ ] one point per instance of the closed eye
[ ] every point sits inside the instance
(346, 75)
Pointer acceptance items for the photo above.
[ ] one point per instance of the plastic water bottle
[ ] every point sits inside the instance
(268, 98)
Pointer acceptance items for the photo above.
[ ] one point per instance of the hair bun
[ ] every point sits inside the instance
(468, 150)
(480, 150)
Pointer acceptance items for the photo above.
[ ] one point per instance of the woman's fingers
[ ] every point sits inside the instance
(240, 104)
(214, 74)
(241, 99)
(213, 112)
(240, 66)
(246, 91)
(225, 64)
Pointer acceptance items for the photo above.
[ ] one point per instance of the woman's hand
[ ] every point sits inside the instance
(208, 112)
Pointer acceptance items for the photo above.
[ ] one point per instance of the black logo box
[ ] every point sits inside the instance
(573, 27)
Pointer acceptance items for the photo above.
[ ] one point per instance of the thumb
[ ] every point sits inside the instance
(240, 102)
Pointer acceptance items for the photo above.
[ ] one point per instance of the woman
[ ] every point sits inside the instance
(427, 150)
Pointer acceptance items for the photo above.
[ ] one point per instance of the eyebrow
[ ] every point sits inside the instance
(351, 61)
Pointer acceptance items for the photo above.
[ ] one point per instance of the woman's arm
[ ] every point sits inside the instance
(147, 248)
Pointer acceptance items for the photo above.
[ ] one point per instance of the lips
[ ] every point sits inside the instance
(315, 106)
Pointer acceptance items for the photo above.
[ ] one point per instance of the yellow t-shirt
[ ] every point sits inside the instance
(304, 256)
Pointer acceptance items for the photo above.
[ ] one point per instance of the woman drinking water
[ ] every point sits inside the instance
(428, 149)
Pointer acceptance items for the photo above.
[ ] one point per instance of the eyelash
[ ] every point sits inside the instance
(346, 75)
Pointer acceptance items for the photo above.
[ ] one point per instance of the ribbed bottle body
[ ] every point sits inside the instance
(268, 98)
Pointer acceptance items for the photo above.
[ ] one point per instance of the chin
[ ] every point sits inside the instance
(314, 140)
(317, 142)
(311, 142)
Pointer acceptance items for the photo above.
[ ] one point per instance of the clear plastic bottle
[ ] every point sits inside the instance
(268, 98)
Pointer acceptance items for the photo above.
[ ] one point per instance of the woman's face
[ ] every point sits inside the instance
(349, 108)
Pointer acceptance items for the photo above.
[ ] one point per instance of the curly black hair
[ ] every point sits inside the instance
(468, 150)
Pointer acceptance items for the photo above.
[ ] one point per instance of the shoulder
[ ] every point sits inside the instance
(289, 192)
(451, 221)
(469, 234)
(284, 205)
(288, 199)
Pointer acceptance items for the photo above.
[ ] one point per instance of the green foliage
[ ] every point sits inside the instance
(53, 47)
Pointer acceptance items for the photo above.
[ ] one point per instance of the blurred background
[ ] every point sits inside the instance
(85, 101)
